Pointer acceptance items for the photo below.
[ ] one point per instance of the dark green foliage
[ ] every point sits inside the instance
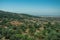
(36, 30)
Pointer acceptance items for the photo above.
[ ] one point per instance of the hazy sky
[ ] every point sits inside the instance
(35, 7)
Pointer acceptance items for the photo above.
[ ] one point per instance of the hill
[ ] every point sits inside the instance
(18, 26)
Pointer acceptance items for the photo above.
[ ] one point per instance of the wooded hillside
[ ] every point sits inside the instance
(15, 26)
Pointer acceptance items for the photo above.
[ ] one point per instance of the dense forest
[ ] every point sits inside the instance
(15, 26)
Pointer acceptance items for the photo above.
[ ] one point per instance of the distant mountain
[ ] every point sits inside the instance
(14, 14)
(18, 16)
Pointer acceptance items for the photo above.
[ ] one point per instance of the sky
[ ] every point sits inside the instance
(33, 7)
